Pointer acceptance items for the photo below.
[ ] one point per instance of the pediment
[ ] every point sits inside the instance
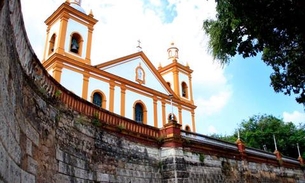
(137, 68)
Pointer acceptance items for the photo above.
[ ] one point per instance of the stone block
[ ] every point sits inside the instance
(32, 134)
(62, 168)
(14, 172)
(4, 133)
(102, 177)
(59, 154)
(3, 162)
(14, 149)
(29, 147)
(62, 178)
(32, 166)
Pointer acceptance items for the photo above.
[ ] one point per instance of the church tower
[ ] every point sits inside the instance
(179, 78)
(69, 37)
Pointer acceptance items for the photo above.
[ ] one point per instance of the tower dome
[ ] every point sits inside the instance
(76, 4)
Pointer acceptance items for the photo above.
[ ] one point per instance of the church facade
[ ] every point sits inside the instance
(130, 86)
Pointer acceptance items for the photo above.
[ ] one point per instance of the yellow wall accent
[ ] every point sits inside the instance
(62, 35)
(85, 85)
(123, 94)
(111, 95)
(176, 81)
(193, 121)
(57, 69)
(89, 43)
(155, 111)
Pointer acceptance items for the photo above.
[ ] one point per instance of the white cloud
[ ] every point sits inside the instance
(212, 130)
(213, 104)
(296, 117)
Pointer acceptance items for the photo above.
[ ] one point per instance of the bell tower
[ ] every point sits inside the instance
(179, 78)
(68, 36)
(177, 75)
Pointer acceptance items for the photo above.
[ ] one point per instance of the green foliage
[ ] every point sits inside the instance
(201, 157)
(80, 119)
(272, 28)
(160, 139)
(259, 130)
(57, 93)
(121, 127)
(95, 120)
(160, 165)
(228, 138)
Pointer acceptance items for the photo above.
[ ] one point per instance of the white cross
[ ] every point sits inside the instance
(139, 45)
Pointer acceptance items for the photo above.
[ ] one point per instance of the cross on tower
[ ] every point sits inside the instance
(139, 45)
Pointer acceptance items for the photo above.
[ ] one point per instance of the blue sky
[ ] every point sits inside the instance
(224, 95)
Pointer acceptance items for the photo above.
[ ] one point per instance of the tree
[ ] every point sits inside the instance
(258, 131)
(273, 28)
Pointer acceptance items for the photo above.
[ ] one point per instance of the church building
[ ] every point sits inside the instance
(130, 86)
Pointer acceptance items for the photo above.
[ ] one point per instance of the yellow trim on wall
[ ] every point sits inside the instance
(57, 70)
(155, 108)
(111, 95)
(191, 88)
(85, 85)
(89, 43)
(62, 34)
(193, 121)
(123, 95)
(176, 81)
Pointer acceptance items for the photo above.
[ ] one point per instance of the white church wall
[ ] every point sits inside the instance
(117, 100)
(54, 30)
(73, 81)
(187, 119)
(169, 78)
(171, 109)
(183, 77)
(159, 114)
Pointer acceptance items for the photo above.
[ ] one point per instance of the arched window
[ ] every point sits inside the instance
(139, 113)
(52, 44)
(187, 128)
(97, 99)
(76, 43)
(184, 90)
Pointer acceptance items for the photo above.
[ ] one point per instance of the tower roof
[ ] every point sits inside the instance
(76, 4)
